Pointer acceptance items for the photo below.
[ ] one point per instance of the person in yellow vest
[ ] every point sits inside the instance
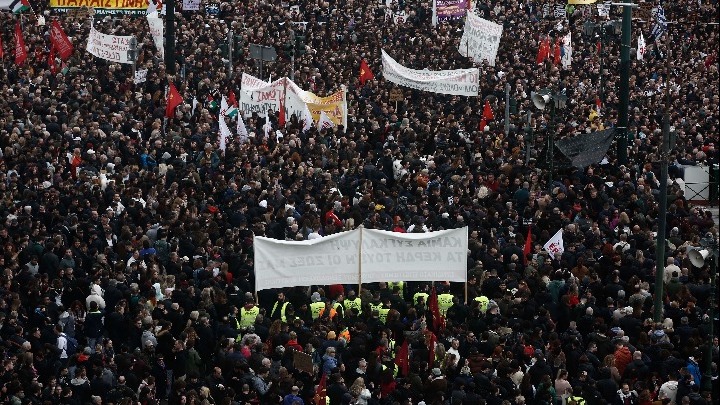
(279, 309)
(338, 306)
(483, 302)
(401, 284)
(353, 302)
(248, 313)
(420, 296)
(445, 301)
(383, 314)
(316, 304)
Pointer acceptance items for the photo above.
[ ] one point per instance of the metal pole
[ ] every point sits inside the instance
(292, 66)
(528, 140)
(507, 109)
(622, 143)
(662, 216)
(170, 37)
(551, 143)
(230, 51)
(707, 378)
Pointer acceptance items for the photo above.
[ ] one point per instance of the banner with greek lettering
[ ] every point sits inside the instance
(481, 39)
(102, 7)
(460, 82)
(430, 256)
(449, 9)
(333, 259)
(259, 96)
(156, 30)
(113, 48)
(191, 5)
(334, 105)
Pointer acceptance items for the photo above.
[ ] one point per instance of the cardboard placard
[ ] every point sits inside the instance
(303, 362)
(397, 95)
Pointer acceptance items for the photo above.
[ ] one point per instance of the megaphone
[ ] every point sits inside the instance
(697, 257)
(540, 100)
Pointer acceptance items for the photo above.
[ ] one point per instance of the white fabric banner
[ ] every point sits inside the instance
(333, 259)
(191, 5)
(113, 48)
(460, 82)
(481, 39)
(157, 31)
(259, 96)
(555, 244)
(430, 256)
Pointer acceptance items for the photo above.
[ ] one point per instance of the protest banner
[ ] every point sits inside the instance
(429, 256)
(113, 48)
(333, 106)
(481, 39)
(157, 31)
(444, 10)
(191, 5)
(461, 82)
(555, 245)
(334, 259)
(140, 76)
(302, 361)
(259, 96)
(102, 7)
(60, 41)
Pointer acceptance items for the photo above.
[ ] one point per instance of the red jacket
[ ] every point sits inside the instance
(623, 357)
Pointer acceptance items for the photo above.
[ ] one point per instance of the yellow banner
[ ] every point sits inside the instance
(332, 105)
(581, 1)
(103, 6)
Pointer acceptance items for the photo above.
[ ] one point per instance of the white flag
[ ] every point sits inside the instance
(641, 47)
(267, 127)
(324, 122)
(567, 51)
(152, 8)
(555, 244)
(224, 106)
(242, 130)
(194, 105)
(307, 119)
(224, 131)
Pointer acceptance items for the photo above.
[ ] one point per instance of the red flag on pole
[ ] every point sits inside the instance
(402, 358)
(231, 99)
(365, 73)
(544, 51)
(431, 345)
(321, 391)
(20, 51)
(528, 245)
(487, 115)
(437, 319)
(51, 60)
(174, 99)
(60, 41)
(2, 51)
(281, 114)
(557, 54)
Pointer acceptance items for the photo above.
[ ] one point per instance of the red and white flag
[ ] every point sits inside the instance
(641, 47)
(61, 43)
(324, 122)
(20, 50)
(555, 244)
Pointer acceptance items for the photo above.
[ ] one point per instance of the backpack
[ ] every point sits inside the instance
(72, 345)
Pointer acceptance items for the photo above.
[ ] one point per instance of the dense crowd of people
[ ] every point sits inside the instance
(127, 264)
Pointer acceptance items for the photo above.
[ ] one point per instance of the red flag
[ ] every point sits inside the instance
(528, 246)
(488, 112)
(60, 41)
(320, 393)
(174, 99)
(20, 51)
(437, 319)
(2, 51)
(557, 55)
(51, 60)
(432, 341)
(598, 103)
(402, 358)
(281, 114)
(365, 73)
(544, 51)
(231, 99)
(598, 47)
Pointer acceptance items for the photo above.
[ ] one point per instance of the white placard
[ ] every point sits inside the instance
(259, 96)
(430, 256)
(461, 82)
(113, 48)
(555, 245)
(157, 30)
(191, 5)
(140, 76)
(481, 39)
(333, 259)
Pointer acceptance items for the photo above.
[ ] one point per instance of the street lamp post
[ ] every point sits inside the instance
(699, 258)
(557, 101)
(622, 141)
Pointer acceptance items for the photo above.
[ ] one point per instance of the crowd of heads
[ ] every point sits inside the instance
(127, 238)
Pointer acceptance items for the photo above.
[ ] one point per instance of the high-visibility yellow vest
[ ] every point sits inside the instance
(483, 300)
(383, 313)
(339, 308)
(416, 298)
(392, 284)
(315, 308)
(282, 310)
(354, 304)
(375, 307)
(445, 301)
(247, 316)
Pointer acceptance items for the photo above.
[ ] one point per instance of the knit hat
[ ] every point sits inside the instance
(315, 297)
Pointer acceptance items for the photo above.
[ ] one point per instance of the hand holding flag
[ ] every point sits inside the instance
(174, 99)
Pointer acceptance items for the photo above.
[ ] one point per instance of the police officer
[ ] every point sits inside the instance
(279, 308)
(316, 305)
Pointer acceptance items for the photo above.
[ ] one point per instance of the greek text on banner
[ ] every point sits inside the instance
(103, 6)
(459, 82)
(481, 39)
(113, 48)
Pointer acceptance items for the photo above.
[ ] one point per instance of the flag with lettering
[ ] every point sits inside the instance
(324, 122)
(641, 47)
(60, 41)
(20, 50)
(555, 244)
(307, 119)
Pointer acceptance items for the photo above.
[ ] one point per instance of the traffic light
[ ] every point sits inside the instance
(300, 45)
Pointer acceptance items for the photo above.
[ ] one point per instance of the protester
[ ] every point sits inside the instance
(127, 265)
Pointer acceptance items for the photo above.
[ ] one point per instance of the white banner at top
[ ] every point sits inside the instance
(481, 39)
(259, 96)
(460, 82)
(429, 256)
(333, 259)
(113, 48)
